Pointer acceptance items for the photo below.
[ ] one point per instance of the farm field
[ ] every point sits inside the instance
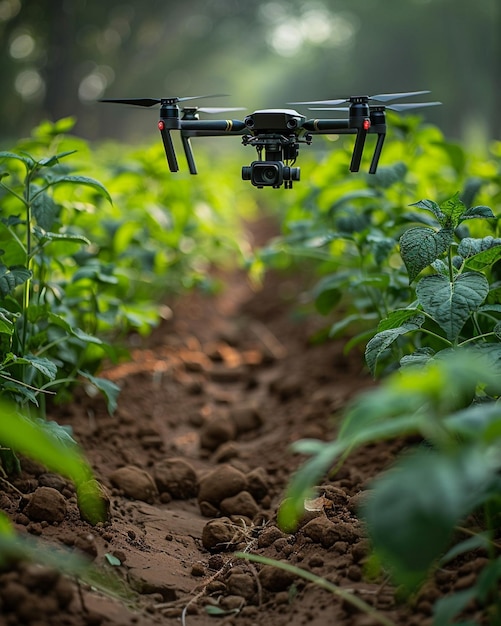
(196, 459)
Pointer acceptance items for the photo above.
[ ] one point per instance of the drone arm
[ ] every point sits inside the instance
(185, 138)
(326, 127)
(377, 153)
(213, 127)
(168, 146)
(358, 149)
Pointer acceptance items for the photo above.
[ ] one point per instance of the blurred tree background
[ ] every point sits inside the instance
(60, 56)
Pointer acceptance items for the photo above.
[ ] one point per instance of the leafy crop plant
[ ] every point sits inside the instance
(441, 499)
(43, 347)
(457, 303)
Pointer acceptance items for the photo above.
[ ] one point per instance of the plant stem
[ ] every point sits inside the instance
(347, 596)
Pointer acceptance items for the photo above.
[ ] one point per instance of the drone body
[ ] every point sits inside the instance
(277, 132)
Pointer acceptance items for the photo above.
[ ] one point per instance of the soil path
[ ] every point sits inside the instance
(195, 460)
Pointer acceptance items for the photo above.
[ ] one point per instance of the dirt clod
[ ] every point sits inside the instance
(223, 482)
(176, 477)
(135, 483)
(46, 504)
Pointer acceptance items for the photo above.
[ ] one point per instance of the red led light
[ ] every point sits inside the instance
(161, 125)
(367, 124)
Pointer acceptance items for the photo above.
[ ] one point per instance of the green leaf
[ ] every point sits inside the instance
(112, 560)
(383, 340)
(450, 304)
(27, 160)
(6, 323)
(447, 608)
(29, 438)
(419, 247)
(45, 237)
(388, 175)
(107, 387)
(83, 180)
(356, 318)
(13, 251)
(477, 211)
(326, 300)
(470, 246)
(54, 160)
(413, 509)
(480, 253)
(43, 365)
(396, 318)
(11, 277)
(452, 208)
(45, 210)
(433, 207)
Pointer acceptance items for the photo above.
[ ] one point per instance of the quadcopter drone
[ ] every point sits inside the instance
(279, 132)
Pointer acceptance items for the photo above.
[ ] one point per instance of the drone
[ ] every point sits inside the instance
(278, 133)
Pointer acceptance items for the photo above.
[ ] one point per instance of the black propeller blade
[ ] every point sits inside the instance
(393, 107)
(213, 109)
(149, 102)
(382, 97)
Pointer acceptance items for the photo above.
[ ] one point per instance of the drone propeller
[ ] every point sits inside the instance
(149, 102)
(382, 97)
(213, 109)
(393, 107)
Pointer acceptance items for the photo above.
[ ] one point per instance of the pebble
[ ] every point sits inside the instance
(176, 477)
(217, 430)
(240, 504)
(135, 482)
(46, 503)
(218, 534)
(223, 482)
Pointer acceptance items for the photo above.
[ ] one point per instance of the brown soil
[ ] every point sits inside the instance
(195, 460)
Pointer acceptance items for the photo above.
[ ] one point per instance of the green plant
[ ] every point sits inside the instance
(414, 511)
(446, 391)
(44, 345)
(457, 304)
(346, 228)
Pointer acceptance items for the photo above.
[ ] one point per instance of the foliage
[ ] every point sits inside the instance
(44, 335)
(79, 272)
(427, 273)
(458, 292)
(346, 227)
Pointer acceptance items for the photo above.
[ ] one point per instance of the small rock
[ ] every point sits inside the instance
(218, 534)
(52, 480)
(258, 483)
(223, 482)
(232, 602)
(240, 504)
(226, 452)
(275, 579)
(135, 482)
(46, 504)
(269, 536)
(176, 477)
(246, 418)
(321, 530)
(217, 430)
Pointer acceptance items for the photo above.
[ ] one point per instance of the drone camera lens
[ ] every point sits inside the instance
(292, 123)
(249, 121)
